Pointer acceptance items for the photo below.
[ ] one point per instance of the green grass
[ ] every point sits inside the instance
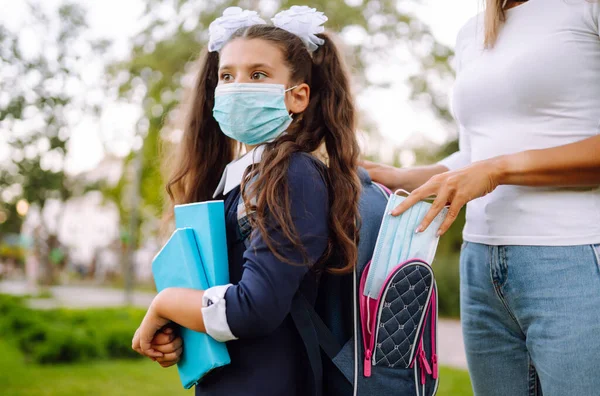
(116, 378)
(454, 383)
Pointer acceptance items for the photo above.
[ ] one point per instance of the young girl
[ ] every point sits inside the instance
(282, 92)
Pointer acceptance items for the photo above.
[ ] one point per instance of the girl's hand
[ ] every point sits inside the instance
(142, 340)
(169, 344)
(454, 188)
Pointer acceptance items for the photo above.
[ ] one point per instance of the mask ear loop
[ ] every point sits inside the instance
(286, 91)
(403, 193)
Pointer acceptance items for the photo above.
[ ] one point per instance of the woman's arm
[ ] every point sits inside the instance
(575, 164)
(407, 179)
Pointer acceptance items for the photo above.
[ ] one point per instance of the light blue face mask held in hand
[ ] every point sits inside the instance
(252, 113)
(398, 242)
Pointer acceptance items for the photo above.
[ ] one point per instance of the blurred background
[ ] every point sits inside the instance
(90, 96)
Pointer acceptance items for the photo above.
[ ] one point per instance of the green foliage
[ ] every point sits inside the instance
(38, 116)
(16, 253)
(446, 274)
(42, 98)
(67, 336)
(446, 267)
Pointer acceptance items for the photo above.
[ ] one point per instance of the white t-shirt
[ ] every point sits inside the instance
(539, 87)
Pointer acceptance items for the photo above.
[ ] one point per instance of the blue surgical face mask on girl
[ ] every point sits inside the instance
(252, 113)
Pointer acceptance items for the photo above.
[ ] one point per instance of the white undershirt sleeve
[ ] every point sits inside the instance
(214, 313)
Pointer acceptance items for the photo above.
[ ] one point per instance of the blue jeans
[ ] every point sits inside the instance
(531, 319)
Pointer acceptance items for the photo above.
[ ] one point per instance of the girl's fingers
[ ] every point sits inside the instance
(146, 335)
(135, 342)
(172, 357)
(147, 348)
(168, 330)
(163, 338)
(168, 364)
(170, 347)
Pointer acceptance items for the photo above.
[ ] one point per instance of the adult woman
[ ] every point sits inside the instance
(527, 99)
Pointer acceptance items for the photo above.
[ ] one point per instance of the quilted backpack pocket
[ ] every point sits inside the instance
(400, 317)
(395, 325)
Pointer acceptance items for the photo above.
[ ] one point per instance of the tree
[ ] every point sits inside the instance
(374, 31)
(37, 116)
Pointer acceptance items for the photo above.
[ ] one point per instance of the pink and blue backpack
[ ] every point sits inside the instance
(357, 345)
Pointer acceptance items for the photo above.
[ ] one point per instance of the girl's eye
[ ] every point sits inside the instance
(258, 75)
(226, 77)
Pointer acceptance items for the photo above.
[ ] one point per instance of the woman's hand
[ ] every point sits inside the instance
(401, 178)
(454, 188)
(151, 324)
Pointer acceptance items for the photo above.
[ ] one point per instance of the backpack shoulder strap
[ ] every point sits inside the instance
(316, 336)
(327, 340)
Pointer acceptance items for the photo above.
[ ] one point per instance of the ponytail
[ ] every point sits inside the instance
(332, 111)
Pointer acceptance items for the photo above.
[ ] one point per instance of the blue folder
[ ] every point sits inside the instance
(178, 264)
(208, 221)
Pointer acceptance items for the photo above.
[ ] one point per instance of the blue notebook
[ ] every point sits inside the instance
(178, 264)
(208, 221)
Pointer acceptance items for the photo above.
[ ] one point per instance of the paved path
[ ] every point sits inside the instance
(450, 348)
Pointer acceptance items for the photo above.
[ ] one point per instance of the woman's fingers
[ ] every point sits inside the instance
(368, 164)
(436, 207)
(383, 174)
(426, 190)
(453, 212)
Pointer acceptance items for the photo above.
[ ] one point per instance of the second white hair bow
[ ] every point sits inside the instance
(302, 21)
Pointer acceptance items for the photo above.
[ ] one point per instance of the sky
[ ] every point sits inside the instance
(117, 20)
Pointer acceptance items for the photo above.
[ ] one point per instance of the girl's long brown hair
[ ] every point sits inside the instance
(328, 121)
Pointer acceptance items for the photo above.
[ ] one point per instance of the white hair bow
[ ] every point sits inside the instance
(302, 21)
(234, 18)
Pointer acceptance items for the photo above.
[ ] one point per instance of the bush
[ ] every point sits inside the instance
(65, 336)
(64, 345)
(446, 270)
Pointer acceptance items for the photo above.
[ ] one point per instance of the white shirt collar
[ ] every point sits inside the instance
(234, 171)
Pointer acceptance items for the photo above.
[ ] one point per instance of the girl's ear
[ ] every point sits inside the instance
(298, 98)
